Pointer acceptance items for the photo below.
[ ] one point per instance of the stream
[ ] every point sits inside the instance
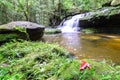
(98, 47)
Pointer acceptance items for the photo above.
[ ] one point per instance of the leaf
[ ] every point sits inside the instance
(84, 65)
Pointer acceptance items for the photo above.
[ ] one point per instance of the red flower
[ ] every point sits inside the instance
(84, 65)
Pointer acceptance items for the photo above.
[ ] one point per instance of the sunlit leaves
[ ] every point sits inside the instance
(68, 4)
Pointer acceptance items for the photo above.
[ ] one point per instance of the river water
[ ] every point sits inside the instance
(98, 47)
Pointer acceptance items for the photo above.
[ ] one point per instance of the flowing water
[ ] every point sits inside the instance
(72, 24)
(93, 46)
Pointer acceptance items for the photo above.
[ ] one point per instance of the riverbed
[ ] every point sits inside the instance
(97, 47)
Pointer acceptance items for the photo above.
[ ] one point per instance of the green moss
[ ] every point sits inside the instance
(103, 12)
(2, 27)
(89, 30)
(22, 30)
(19, 28)
(52, 31)
(7, 37)
(17, 32)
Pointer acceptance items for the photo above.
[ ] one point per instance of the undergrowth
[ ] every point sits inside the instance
(89, 30)
(25, 60)
(52, 31)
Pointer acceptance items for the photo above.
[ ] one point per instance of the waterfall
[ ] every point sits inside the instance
(71, 25)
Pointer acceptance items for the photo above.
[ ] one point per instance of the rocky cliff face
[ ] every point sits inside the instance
(105, 18)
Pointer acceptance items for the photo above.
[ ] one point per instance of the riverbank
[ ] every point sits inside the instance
(25, 60)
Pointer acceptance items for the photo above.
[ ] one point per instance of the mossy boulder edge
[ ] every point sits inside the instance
(21, 29)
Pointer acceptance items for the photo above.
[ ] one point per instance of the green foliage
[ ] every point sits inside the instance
(78, 6)
(5, 7)
(42, 11)
(5, 37)
(52, 31)
(89, 30)
(91, 4)
(26, 60)
(22, 33)
(68, 4)
(29, 56)
(23, 30)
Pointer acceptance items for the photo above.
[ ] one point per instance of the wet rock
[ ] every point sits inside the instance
(106, 18)
(21, 29)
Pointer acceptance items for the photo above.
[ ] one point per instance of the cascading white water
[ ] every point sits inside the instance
(71, 25)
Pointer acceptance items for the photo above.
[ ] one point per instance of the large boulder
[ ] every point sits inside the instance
(21, 29)
(105, 18)
(115, 2)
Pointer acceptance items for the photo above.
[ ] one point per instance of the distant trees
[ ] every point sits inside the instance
(46, 12)
(30, 10)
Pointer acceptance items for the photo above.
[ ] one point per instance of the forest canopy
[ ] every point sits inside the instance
(45, 12)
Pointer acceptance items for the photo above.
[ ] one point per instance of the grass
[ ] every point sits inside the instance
(6, 37)
(52, 31)
(89, 30)
(25, 60)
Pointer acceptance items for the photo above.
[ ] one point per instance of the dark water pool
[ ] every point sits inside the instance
(92, 46)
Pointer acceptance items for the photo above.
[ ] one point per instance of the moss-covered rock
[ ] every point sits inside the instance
(21, 29)
(106, 12)
(115, 2)
(106, 18)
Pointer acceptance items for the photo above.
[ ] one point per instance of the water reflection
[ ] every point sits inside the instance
(92, 46)
(71, 41)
